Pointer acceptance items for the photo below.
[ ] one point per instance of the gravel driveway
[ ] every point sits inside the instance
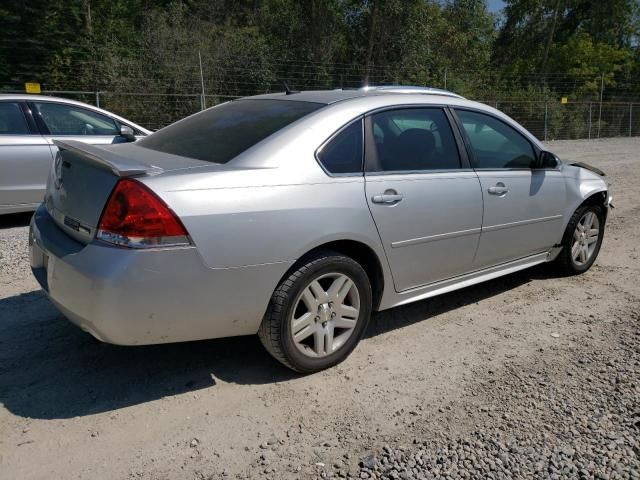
(530, 376)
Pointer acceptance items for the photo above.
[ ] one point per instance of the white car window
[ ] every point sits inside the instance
(63, 119)
(495, 145)
(413, 139)
(343, 154)
(12, 121)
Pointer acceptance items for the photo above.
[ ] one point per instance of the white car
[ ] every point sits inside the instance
(295, 215)
(29, 124)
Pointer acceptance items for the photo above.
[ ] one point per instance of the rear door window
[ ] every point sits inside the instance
(221, 133)
(412, 140)
(343, 153)
(12, 121)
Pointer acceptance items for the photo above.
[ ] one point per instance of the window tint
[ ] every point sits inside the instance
(494, 143)
(343, 154)
(63, 119)
(219, 134)
(12, 121)
(413, 139)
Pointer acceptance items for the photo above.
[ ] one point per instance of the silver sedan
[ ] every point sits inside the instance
(29, 125)
(297, 215)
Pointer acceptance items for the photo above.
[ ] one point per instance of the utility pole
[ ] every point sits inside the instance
(445, 78)
(203, 103)
(601, 93)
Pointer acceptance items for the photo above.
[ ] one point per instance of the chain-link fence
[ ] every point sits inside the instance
(546, 119)
(553, 120)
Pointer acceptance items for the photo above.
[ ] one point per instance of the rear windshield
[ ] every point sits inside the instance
(222, 133)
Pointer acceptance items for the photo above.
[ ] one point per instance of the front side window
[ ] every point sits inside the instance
(12, 121)
(62, 119)
(343, 153)
(412, 139)
(495, 144)
(222, 133)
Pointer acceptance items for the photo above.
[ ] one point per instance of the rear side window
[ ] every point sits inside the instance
(220, 134)
(62, 119)
(412, 139)
(495, 144)
(343, 153)
(12, 121)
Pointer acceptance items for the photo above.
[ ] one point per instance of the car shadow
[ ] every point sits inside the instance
(50, 369)
(12, 220)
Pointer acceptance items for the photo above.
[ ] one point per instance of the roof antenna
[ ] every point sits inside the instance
(287, 90)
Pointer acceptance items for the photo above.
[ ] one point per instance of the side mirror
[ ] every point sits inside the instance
(127, 132)
(548, 160)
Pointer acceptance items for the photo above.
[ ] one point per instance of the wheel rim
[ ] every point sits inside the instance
(585, 238)
(325, 314)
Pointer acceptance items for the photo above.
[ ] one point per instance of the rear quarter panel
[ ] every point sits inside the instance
(266, 222)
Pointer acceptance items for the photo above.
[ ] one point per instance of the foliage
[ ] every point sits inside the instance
(538, 49)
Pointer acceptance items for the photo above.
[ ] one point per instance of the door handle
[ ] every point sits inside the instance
(387, 198)
(499, 189)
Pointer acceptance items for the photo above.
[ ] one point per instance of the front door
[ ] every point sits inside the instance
(425, 201)
(63, 121)
(523, 205)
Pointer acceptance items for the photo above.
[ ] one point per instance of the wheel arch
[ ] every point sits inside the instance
(597, 197)
(361, 253)
(591, 196)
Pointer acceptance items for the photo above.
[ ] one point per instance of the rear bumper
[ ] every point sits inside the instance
(137, 297)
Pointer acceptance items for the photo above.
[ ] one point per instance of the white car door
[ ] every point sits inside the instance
(424, 197)
(25, 159)
(523, 204)
(62, 121)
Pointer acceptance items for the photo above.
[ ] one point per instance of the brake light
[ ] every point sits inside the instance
(136, 217)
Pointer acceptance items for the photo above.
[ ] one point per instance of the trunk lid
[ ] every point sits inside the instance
(83, 177)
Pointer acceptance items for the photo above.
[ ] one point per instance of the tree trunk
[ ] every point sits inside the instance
(552, 30)
(371, 41)
(87, 16)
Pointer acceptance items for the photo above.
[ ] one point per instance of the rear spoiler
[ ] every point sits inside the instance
(120, 166)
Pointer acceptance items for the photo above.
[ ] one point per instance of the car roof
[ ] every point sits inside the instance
(34, 98)
(333, 96)
(342, 106)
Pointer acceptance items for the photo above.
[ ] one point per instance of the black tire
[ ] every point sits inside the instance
(565, 261)
(275, 332)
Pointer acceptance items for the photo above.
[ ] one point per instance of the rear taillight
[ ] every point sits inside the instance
(136, 217)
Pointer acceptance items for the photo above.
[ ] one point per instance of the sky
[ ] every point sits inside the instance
(495, 5)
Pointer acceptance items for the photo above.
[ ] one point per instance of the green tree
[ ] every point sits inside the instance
(586, 63)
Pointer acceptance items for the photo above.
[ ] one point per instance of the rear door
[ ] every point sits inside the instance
(424, 197)
(523, 204)
(25, 158)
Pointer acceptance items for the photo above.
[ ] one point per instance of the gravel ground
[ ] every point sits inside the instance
(527, 376)
(578, 421)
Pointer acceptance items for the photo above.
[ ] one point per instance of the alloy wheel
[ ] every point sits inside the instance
(325, 314)
(585, 238)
